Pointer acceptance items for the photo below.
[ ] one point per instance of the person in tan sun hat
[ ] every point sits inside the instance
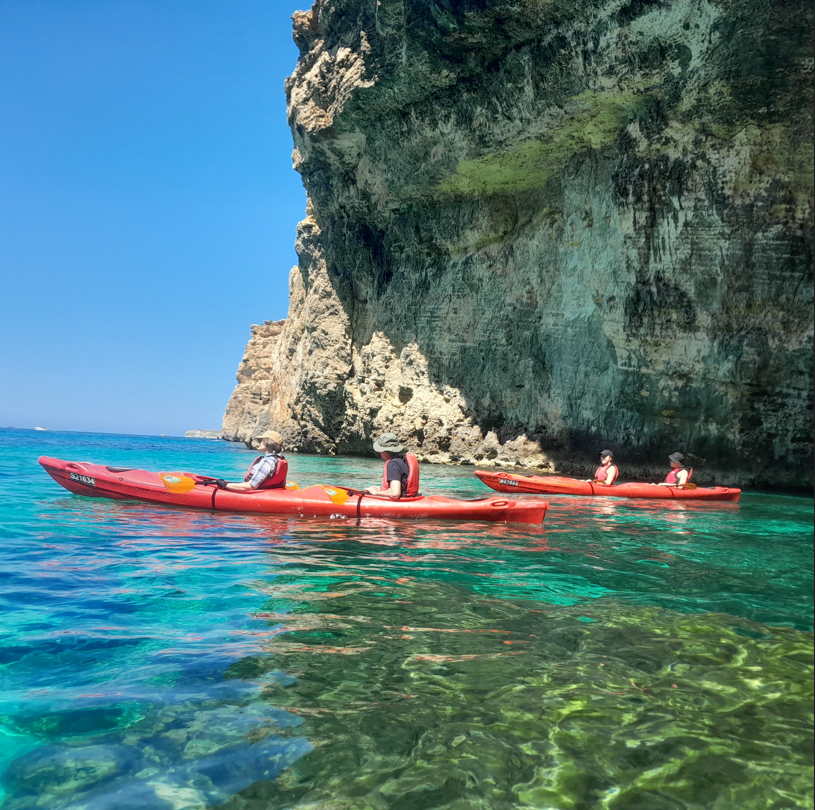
(267, 471)
(401, 475)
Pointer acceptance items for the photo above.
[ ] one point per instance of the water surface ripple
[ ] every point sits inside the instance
(624, 655)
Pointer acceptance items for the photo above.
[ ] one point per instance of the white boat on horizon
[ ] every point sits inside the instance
(41, 428)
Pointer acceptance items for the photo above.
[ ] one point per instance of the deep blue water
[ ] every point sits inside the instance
(624, 654)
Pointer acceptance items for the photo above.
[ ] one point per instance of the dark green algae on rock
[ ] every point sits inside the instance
(590, 222)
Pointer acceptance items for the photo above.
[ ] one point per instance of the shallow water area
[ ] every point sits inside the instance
(622, 655)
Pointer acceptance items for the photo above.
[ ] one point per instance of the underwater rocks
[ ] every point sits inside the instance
(463, 700)
(65, 770)
(193, 755)
(537, 229)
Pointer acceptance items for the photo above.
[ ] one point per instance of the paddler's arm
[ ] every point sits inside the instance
(260, 473)
(681, 480)
(246, 486)
(242, 487)
(393, 491)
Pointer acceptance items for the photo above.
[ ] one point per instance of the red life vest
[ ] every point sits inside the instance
(602, 473)
(670, 478)
(412, 486)
(276, 481)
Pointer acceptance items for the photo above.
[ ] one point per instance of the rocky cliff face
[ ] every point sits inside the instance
(536, 227)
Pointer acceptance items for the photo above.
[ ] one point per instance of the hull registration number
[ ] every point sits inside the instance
(507, 482)
(83, 479)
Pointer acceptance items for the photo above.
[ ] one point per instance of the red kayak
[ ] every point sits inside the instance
(201, 492)
(555, 485)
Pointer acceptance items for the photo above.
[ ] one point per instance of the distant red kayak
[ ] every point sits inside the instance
(199, 492)
(555, 485)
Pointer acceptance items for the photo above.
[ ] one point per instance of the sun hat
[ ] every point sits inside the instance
(388, 443)
(272, 435)
(677, 457)
(606, 453)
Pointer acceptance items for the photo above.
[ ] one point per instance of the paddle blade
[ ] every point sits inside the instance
(337, 496)
(177, 483)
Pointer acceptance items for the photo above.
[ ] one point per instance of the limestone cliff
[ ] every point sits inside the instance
(536, 227)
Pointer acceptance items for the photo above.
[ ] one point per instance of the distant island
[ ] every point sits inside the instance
(197, 434)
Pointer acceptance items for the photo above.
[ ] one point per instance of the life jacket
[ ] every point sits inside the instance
(412, 486)
(670, 478)
(276, 481)
(602, 472)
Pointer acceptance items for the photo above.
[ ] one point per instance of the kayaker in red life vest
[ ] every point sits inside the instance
(679, 474)
(606, 474)
(267, 471)
(401, 476)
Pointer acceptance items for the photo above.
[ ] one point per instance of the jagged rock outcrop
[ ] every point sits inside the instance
(537, 227)
(252, 395)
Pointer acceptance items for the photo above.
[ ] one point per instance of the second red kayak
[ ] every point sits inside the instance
(556, 485)
(189, 489)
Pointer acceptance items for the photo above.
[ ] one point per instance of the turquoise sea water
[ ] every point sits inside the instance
(623, 655)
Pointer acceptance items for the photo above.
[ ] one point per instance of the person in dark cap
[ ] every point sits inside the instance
(679, 474)
(606, 474)
(401, 476)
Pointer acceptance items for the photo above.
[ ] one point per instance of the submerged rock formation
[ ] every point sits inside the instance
(536, 227)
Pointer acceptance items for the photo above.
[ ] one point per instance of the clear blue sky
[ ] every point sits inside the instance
(147, 206)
